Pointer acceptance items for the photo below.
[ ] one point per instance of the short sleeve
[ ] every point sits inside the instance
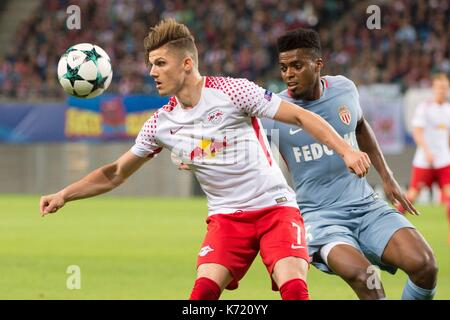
(418, 120)
(146, 144)
(248, 97)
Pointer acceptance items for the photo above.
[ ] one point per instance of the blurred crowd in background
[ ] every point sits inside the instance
(235, 38)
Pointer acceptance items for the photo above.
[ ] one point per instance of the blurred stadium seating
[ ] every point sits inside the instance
(235, 38)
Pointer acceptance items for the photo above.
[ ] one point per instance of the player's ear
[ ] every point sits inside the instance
(188, 64)
(319, 64)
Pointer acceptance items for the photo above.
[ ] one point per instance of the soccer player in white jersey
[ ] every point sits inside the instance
(431, 130)
(211, 124)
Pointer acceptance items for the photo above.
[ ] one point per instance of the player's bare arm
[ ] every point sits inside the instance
(99, 181)
(368, 143)
(419, 139)
(356, 161)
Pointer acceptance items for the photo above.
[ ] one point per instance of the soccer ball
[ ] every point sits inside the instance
(84, 70)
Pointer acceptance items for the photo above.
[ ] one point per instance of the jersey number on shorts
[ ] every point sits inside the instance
(297, 245)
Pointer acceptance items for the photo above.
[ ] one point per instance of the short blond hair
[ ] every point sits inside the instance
(176, 35)
(439, 76)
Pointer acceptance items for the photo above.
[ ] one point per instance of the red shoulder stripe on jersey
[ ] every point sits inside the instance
(208, 82)
(170, 105)
(257, 128)
(214, 82)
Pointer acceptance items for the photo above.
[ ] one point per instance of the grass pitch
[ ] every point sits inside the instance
(139, 248)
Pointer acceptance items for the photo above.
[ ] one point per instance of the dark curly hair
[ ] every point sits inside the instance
(299, 39)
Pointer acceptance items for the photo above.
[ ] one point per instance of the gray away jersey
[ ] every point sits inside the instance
(320, 177)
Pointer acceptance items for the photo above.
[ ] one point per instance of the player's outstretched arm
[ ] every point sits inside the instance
(368, 143)
(99, 181)
(356, 161)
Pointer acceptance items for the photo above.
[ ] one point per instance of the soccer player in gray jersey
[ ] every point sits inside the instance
(348, 226)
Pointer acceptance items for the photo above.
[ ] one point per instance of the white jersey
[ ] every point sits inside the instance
(435, 121)
(222, 141)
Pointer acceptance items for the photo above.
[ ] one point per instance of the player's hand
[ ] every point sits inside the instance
(51, 203)
(183, 166)
(357, 162)
(396, 196)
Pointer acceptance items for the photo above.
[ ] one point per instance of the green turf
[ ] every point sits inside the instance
(137, 248)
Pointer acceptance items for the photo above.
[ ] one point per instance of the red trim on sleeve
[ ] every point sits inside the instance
(151, 155)
(257, 128)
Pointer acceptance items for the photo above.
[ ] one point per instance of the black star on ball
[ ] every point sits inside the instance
(98, 83)
(72, 75)
(91, 55)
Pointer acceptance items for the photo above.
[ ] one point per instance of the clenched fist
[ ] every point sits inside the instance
(357, 162)
(51, 203)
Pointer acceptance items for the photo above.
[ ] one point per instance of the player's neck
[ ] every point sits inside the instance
(316, 92)
(190, 94)
(440, 101)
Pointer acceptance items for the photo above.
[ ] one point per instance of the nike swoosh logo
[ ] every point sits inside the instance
(176, 130)
(292, 132)
(293, 246)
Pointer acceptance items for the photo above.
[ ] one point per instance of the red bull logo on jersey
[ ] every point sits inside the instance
(345, 115)
(208, 148)
(215, 117)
